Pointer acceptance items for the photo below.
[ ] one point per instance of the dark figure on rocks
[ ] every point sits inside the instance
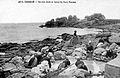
(110, 54)
(101, 40)
(80, 65)
(90, 49)
(74, 39)
(67, 62)
(75, 33)
(39, 58)
(51, 50)
(64, 64)
(35, 60)
(49, 62)
(32, 62)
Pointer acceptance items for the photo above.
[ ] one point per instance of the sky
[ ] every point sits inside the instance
(13, 12)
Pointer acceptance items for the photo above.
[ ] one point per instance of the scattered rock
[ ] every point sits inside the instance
(32, 75)
(73, 72)
(27, 58)
(59, 55)
(16, 75)
(69, 51)
(99, 51)
(66, 36)
(19, 51)
(8, 66)
(17, 60)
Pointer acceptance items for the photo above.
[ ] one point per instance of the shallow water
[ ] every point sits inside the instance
(22, 32)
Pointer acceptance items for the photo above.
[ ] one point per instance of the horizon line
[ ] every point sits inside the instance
(20, 22)
(46, 21)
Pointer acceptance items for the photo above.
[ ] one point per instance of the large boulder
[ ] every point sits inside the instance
(32, 75)
(44, 48)
(27, 58)
(115, 38)
(66, 36)
(17, 60)
(99, 51)
(112, 68)
(74, 41)
(80, 52)
(43, 67)
(73, 72)
(113, 46)
(69, 51)
(8, 67)
(80, 49)
(105, 34)
(59, 55)
(77, 54)
(36, 70)
(66, 44)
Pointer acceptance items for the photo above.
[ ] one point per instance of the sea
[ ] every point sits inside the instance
(24, 32)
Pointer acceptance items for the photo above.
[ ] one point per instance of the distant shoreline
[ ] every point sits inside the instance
(96, 20)
(32, 40)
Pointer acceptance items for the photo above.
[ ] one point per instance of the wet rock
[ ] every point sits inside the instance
(66, 36)
(16, 75)
(49, 41)
(4, 60)
(73, 72)
(8, 46)
(105, 34)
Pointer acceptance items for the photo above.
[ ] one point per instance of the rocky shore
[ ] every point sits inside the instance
(64, 45)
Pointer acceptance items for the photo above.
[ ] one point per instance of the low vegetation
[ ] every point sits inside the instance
(95, 20)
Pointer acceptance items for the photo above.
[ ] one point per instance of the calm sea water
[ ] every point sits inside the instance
(23, 32)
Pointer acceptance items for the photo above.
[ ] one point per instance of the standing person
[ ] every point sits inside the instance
(39, 58)
(51, 56)
(101, 40)
(74, 39)
(75, 33)
(32, 62)
(48, 58)
(90, 49)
